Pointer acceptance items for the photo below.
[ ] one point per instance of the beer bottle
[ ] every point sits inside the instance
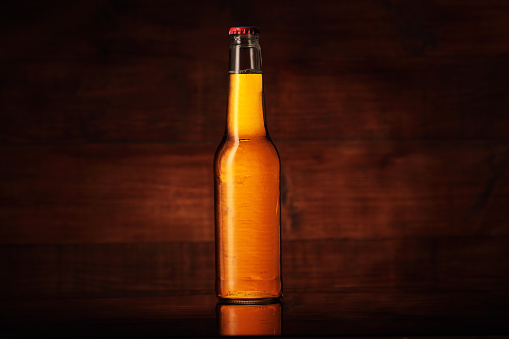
(247, 183)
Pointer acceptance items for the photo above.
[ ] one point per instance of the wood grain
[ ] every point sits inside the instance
(394, 189)
(107, 193)
(175, 99)
(87, 29)
(152, 193)
(176, 268)
(356, 70)
(390, 118)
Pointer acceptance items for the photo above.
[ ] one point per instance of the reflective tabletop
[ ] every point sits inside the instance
(345, 312)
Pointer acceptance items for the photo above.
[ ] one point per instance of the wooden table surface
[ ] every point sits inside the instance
(347, 312)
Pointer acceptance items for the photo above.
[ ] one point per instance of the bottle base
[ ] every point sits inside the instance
(249, 297)
(258, 301)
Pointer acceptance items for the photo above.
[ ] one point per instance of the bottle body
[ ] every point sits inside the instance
(247, 207)
(247, 198)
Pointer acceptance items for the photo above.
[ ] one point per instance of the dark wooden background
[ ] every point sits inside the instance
(391, 119)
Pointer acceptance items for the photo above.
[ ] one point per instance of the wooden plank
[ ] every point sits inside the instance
(391, 98)
(173, 268)
(171, 99)
(106, 270)
(326, 29)
(335, 29)
(328, 265)
(467, 263)
(107, 193)
(357, 70)
(176, 99)
(394, 189)
(120, 270)
(152, 193)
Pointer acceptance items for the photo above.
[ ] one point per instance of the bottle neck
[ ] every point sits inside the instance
(246, 111)
(245, 54)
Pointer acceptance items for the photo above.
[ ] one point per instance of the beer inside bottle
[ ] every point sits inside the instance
(247, 183)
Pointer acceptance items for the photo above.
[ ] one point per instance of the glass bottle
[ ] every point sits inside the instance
(247, 183)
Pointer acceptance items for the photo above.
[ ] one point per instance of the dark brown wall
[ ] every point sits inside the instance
(391, 118)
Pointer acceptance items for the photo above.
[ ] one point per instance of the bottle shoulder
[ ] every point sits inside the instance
(262, 143)
(254, 149)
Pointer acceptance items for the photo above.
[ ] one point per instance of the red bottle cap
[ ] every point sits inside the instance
(244, 30)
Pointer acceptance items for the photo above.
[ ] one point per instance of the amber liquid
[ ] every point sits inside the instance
(249, 319)
(247, 199)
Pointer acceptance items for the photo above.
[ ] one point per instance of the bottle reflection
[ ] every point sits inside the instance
(249, 319)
